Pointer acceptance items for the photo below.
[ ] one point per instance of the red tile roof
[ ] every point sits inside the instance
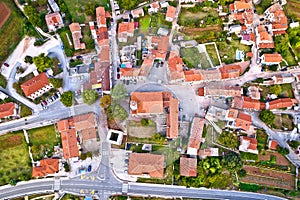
(76, 35)
(89, 134)
(266, 45)
(100, 16)
(84, 121)
(280, 103)
(272, 58)
(201, 91)
(196, 133)
(253, 142)
(126, 27)
(172, 119)
(252, 104)
(175, 63)
(230, 71)
(144, 163)
(242, 5)
(35, 84)
(171, 12)
(69, 143)
(47, 166)
(273, 144)
(188, 167)
(243, 121)
(148, 102)
(7, 109)
(192, 76)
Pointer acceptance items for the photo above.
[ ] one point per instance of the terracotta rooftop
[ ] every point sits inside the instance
(243, 121)
(89, 134)
(144, 163)
(65, 124)
(171, 12)
(272, 58)
(47, 166)
(175, 63)
(192, 76)
(100, 16)
(280, 103)
(188, 167)
(53, 19)
(230, 71)
(232, 113)
(172, 119)
(148, 102)
(84, 121)
(35, 84)
(252, 141)
(273, 144)
(252, 104)
(126, 27)
(7, 109)
(196, 133)
(266, 45)
(76, 35)
(69, 143)
(242, 5)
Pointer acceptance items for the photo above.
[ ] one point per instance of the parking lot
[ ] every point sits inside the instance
(81, 167)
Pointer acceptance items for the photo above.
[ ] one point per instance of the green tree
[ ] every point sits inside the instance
(242, 173)
(28, 59)
(67, 167)
(118, 92)
(158, 138)
(43, 62)
(282, 151)
(276, 89)
(83, 156)
(105, 101)
(266, 4)
(67, 98)
(56, 82)
(267, 117)
(116, 111)
(89, 96)
(128, 4)
(232, 161)
(89, 154)
(228, 139)
(33, 16)
(90, 8)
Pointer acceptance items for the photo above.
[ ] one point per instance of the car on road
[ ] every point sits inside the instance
(127, 82)
(89, 169)
(62, 47)
(118, 76)
(118, 69)
(284, 69)
(45, 107)
(6, 65)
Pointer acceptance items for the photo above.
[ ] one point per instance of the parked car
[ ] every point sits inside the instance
(89, 169)
(118, 76)
(118, 69)
(45, 107)
(6, 65)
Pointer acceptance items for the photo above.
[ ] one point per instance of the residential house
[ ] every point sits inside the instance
(125, 30)
(216, 112)
(239, 6)
(243, 121)
(210, 75)
(85, 126)
(99, 77)
(54, 21)
(76, 35)
(145, 103)
(102, 36)
(271, 59)
(100, 17)
(195, 136)
(175, 66)
(137, 73)
(283, 79)
(53, 5)
(138, 12)
(248, 39)
(160, 44)
(247, 103)
(93, 30)
(230, 71)
(188, 167)
(276, 16)
(248, 145)
(272, 144)
(164, 4)
(209, 152)
(224, 91)
(192, 76)
(46, 167)
(36, 86)
(253, 92)
(170, 13)
(153, 7)
(8, 110)
(146, 165)
(235, 29)
(280, 103)
(264, 38)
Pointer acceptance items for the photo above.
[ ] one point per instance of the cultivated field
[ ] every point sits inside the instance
(268, 178)
(11, 31)
(280, 159)
(43, 140)
(14, 158)
(4, 14)
(293, 8)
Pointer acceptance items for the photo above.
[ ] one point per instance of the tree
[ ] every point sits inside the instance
(266, 3)
(89, 154)
(56, 82)
(89, 96)
(43, 62)
(118, 92)
(83, 156)
(158, 138)
(28, 59)
(267, 117)
(242, 173)
(67, 98)
(67, 167)
(116, 111)
(128, 4)
(276, 89)
(232, 161)
(33, 16)
(228, 139)
(146, 122)
(105, 101)
(282, 151)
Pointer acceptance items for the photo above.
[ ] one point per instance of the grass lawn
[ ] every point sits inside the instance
(69, 49)
(3, 80)
(212, 52)
(227, 50)
(289, 58)
(157, 21)
(25, 111)
(262, 138)
(287, 90)
(283, 121)
(43, 139)
(191, 55)
(11, 32)
(144, 24)
(14, 158)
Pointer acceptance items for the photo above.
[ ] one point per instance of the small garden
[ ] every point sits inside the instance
(42, 141)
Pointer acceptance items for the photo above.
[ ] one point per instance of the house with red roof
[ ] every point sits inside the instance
(100, 17)
(36, 86)
(272, 144)
(125, 30)
(77, 36)
(248, 145)
(188, 167)
(54, 21)
(8, 110)
(271, 59)
(170, 13)
(46, 167)
(280, 103)
(195, 136)
(241, 5)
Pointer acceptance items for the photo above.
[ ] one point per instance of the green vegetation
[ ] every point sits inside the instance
(232, 161)
(15, 164)
(228, 139)
(282, 47)
(128, 4)
(158, 20)
(33, 16)
(105, 101)
(275, 89)
(262, 138)
(158, 138)
(249, 156)
(67, 98)
(292, 9)
(212, 52)
(283, 90)
(282, 151)
(294, 144)
(193, 59)
(56, 82)
(249, 187)
(28, 59)
(145, 24)
(116, 111)
(3, 81)
(146, 122)
(283, 121)
(25, 111)
(227, 50)
(118, 92)
(43, 62)
(89, 96)
(42, 141)
(69, 49)
(76, 62)
(267, 117)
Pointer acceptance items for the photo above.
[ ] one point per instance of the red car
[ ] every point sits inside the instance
(118, 76)
(6, 65)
